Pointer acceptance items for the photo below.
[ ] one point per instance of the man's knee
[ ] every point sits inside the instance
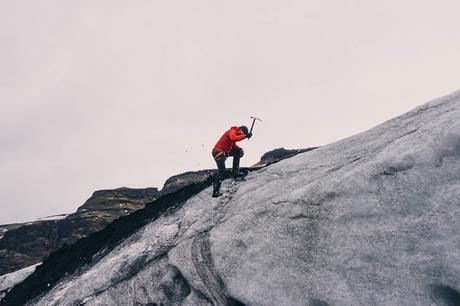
(220, 159)
(237, 152)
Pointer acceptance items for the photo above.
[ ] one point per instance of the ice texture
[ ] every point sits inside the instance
(369, 220)
(8, 281)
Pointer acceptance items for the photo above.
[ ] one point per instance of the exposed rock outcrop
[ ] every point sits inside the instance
(179, 181)
(26, 244)
(279, 154)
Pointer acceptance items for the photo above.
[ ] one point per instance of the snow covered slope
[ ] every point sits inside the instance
(370, 220)
(9, 280)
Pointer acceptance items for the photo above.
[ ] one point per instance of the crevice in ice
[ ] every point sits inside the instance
(202, 261)
(173, 287)
(134, 270)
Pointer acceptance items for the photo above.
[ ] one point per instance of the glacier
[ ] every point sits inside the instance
(369, 220)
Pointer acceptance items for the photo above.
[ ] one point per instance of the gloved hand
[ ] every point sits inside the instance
(248, 135)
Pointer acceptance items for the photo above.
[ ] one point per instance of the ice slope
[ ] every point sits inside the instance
(369, 220)
(7, 281)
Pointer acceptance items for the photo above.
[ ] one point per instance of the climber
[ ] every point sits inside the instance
(226, 146)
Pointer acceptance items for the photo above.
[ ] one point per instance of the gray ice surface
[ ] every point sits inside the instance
(370, 220)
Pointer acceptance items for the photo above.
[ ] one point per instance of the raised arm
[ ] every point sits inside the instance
(236, 136)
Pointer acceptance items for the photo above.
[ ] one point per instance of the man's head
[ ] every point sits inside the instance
(244, 129)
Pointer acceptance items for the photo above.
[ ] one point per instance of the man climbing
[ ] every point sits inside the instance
(226, 146)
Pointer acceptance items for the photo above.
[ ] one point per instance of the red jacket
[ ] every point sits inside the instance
(229, 139)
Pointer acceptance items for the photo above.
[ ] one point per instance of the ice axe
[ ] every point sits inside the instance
(254, 122)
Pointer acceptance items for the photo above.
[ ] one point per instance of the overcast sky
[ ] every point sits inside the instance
(103, 94)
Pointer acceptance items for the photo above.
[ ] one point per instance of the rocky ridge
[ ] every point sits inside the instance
(23, 245)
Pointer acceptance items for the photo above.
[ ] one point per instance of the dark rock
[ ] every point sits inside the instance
(279, 154)
(26, 244)
(7, 227)
(119, 199)
(179, 181)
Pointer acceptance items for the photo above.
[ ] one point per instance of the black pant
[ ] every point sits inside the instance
(220, 161)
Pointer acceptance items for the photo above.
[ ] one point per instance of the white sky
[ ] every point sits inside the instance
(102, 94)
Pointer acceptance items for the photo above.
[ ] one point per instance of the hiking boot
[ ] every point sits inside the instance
(239, 175)
(216, 194)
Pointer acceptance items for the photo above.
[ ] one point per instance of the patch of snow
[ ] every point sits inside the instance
(8, 281)
(3, 230)
(86, 300)
(55, 217)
